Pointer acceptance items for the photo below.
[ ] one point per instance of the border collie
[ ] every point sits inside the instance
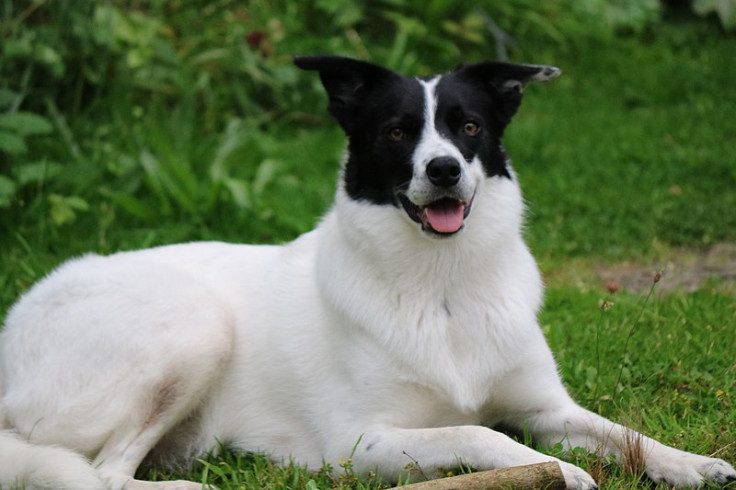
(402, 329)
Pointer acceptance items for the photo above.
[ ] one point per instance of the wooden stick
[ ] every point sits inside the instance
(543, 476)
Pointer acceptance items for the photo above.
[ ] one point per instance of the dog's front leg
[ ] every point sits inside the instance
(427, 451)
(576, 427)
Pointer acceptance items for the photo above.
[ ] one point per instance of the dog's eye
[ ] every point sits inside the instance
(396, 134)
(471, 128)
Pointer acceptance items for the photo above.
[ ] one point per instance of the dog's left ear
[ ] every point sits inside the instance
(346, 81)
(507, 81)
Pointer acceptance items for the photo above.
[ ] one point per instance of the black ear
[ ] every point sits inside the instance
(346, 81)
(507, 81)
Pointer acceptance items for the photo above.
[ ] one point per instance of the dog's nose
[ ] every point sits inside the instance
(444, 171)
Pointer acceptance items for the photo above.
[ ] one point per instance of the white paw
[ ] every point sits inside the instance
(577, 478)
(682, 469)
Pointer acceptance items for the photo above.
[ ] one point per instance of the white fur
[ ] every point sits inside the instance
(362, 335)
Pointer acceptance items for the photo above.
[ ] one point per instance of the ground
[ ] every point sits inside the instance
(683, 269)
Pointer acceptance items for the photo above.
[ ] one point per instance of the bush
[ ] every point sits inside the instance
(141, 110)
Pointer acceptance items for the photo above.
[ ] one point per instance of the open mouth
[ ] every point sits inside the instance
(444, 216)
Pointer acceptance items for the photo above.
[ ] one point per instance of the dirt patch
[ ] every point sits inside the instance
(682, 270)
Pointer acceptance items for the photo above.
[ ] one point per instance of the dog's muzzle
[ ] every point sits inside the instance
(445, 216)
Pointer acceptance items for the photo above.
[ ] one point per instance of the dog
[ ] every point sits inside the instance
(401, 330)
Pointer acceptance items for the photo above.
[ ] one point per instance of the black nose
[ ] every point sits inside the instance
(444, 171)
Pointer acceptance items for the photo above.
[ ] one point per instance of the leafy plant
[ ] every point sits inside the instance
(17, 129)
(724, 9)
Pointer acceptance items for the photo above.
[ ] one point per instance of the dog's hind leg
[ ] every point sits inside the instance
(169, 403)
(119, 459)
(106, 356)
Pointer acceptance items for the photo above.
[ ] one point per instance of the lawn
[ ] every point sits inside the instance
(160, 134)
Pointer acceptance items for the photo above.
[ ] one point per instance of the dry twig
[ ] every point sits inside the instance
(543, 476)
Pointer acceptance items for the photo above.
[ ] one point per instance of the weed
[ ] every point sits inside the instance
(633, 453)
(655, 279)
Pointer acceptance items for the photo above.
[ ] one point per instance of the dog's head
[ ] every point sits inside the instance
(423, 145)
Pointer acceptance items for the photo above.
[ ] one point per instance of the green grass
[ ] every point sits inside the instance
(628, 156)
(661, 366)
(234, 470)
(634, 146)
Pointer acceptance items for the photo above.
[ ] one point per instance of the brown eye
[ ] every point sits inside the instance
(471, 128)
(396, 134)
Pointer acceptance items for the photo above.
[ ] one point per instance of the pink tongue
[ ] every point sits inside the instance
(446, 219)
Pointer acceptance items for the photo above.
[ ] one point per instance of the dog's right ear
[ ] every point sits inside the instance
(347, 81)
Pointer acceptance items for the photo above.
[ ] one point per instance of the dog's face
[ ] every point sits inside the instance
(423, 145)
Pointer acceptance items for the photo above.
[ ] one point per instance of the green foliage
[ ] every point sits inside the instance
(16, 129)
(149, 110)
(724, 9)
(130, 124)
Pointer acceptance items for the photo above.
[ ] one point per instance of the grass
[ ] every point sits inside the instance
(662, 367)
(635, 148)
(628, 156)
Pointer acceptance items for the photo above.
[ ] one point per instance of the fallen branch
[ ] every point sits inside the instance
(543, 476)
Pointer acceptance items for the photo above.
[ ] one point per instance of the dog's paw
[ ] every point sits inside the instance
(682, 469)
(577, 478)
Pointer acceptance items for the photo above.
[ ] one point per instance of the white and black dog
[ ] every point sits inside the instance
(403, 328)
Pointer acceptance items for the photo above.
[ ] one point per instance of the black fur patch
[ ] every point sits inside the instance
(379, 165)
(383, 114)
(460, 100)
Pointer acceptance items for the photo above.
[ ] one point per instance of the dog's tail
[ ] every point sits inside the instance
(28, 466)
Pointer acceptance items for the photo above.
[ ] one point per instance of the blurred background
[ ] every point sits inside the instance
(126, 124)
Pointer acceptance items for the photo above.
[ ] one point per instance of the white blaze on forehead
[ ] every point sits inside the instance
(441, 209)
(431, 143)
(430, 101)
